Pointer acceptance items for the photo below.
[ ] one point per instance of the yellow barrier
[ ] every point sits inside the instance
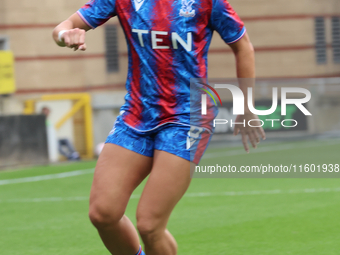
(82, 101)
(7, 81)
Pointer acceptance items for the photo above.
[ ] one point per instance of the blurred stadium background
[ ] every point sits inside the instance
(297, 43)
(292, 39)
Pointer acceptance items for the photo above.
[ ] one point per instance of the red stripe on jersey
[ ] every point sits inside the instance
(133, 114)
(201, 34)
(135, 105)
(200, 43)
(164, 61)
(233, 13)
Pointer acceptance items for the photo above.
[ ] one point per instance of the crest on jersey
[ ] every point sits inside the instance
(186, 10)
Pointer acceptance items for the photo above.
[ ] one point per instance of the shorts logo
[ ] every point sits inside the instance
(186, 10)
(114, 128)
(193, 135)
(112, 131)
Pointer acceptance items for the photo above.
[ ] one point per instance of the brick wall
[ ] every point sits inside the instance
(282, 32)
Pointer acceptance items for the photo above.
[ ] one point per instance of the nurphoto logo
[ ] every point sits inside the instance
(239, 103)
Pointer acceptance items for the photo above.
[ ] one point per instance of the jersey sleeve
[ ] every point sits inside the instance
(97, 12)
(226, 21)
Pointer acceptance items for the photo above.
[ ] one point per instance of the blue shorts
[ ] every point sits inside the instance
(181, 140)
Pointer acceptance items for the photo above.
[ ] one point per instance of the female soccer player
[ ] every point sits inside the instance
(168, 43)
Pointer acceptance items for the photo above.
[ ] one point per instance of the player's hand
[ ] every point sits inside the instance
(74, 39)
(252, 134)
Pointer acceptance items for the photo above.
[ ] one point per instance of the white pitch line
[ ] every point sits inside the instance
(267, 149)
(188, 195)
(47, 177)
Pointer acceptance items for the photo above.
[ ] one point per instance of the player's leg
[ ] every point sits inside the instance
(175, 147)
(118, 172)
(168, 181)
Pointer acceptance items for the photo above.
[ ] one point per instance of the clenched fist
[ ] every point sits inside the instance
(73, 38)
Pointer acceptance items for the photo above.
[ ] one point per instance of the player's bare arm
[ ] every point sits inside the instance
(71, 33)
(245, 67)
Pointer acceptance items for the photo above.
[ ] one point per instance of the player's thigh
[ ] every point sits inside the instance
(167, 183)
(118, 172)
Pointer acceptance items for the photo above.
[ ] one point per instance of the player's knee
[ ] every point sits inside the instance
(103, 217)
(148, 228)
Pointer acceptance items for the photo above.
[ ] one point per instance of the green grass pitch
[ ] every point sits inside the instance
(248, 216)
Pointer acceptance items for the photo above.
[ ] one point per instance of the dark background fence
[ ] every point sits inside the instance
(23, 140)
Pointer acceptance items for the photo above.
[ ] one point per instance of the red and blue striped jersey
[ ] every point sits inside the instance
(168, 43)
